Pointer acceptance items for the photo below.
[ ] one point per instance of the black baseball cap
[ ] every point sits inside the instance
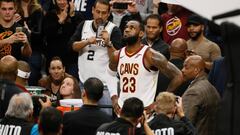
(195, 19)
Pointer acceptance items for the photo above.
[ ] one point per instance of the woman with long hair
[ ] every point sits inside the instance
(30, 14)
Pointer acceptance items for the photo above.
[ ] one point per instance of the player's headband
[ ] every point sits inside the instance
(23, 74)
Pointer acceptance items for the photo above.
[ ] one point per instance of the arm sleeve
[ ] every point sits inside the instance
(34, 130)
(112, 83)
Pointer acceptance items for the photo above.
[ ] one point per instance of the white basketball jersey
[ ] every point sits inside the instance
(93, 59)
(135, 79)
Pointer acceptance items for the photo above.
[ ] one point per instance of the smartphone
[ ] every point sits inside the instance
(19, 29)
(99, 30)
(120, 5)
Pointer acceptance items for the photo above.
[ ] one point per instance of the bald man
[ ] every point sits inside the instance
(8, 73)
(177, 51)
(8, 68)
(201, 99)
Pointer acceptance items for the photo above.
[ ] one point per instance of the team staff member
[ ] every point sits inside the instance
(94, 52)
(201, 99)
(137, 66)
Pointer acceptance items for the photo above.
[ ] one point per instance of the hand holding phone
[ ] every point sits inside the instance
(120, 5)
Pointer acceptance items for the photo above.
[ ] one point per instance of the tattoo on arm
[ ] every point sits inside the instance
(168, 69)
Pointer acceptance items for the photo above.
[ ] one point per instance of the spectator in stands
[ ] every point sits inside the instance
(58, 27)
(53, 81)
(69, 88)
(167, 106)
(174, 22)
(131, 114)
(50, 122)
(153, 29)
(94, 49)
(201, 99)
(14, 40)
(199, 44)
(145, 7)
(8, 74)
(18, 117)
(120, 17)
(30, 14)
(89, 117)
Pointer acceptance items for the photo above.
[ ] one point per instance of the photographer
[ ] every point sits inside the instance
(167, 106)
(18, 117)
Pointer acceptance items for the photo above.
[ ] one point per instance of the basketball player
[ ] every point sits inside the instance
(138, 67)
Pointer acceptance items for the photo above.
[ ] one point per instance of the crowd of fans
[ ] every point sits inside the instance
(130, 71)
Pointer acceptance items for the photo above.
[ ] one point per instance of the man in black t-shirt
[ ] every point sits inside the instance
(13, 37)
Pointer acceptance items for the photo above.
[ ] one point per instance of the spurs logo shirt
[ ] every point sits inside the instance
(135, 79)
(93, 59)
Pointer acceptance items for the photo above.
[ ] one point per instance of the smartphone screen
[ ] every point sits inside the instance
(118, 5)
(18, 29)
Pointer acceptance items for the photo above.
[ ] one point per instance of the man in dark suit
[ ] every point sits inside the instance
(201, 99)
(89, 117)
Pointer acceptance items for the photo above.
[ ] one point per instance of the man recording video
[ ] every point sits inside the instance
(94, 56)
(122, 11)
(14, 39)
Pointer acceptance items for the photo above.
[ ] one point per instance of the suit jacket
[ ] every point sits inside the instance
(200, 103)
(86, 120)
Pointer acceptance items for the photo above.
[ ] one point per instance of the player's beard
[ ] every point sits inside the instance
(130, 40)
